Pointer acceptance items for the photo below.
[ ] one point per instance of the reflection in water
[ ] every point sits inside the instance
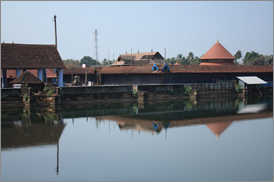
(39, 126)
(218, 128)
(30, 126)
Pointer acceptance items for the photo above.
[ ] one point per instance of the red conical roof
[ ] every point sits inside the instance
(217, 51)
(218, 128)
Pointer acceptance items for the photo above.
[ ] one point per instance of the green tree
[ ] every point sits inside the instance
(190, 55)
(249, 56)
(89, 61)
(237, 55)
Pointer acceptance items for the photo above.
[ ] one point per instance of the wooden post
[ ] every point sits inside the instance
(71, 75)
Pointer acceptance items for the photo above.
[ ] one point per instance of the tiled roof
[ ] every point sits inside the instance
(219, 69)
(139, 59)
(147, 69)
(217, 63)
(27, 78)
(30, 56)
(217, 51)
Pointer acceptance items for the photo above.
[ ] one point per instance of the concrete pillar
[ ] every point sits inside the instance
(18, 72)
(40, 74)
(4, 78)
(60, 77)
(46, 75)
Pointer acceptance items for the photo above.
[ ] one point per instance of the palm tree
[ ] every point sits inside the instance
(238, 55)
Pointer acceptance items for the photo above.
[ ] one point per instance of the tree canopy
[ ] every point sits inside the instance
(89, 61)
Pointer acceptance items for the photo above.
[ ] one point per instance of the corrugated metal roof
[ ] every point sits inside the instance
(251, 80)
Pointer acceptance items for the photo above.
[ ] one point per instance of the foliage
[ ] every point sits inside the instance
(237, 55)
(171, 92)
(3, 96)
(189, 60)
(188, 105)
(46, 88)
(249, 56)
(25, 96)
(135, 93)
(89, 61)
(69, 63)
(188, 90)
(238, 88)
(51, 92)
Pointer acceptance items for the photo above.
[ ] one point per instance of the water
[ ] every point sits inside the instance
(208, 140)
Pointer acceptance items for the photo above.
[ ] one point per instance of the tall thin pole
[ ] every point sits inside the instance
(96, 46)
(131, 57)
(55, 30)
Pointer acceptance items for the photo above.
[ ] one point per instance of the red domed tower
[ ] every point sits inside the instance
(217, 55)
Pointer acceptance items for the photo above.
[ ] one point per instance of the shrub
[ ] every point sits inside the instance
(188, 90)
(171, 92)
(135, 93)
(25, 96)
(51, 92)
(3, 96)
(46, 88)
(238, 88)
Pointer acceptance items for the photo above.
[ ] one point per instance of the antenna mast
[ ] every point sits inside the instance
(96, 45)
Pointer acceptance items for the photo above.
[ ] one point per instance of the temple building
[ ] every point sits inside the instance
(217, 55)
(22, 57)
(137, 59)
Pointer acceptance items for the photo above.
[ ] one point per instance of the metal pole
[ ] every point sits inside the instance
(55, 31)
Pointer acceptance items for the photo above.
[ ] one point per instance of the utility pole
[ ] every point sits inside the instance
(55, 30)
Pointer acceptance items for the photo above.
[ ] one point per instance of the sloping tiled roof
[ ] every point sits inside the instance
(30, 56)
(27, 78)
(147, 69)
(217, 51)
(139, 59)
(138, 56)
(219, 69)
(217, 63)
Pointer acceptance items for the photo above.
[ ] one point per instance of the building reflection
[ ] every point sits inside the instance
(33, 127)
(216, 116)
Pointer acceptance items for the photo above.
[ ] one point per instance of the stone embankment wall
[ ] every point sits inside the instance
(95, 92)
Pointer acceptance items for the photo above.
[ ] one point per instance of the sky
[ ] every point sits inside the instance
(179, 27)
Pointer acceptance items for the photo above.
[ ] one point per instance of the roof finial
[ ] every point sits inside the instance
(217, 136)
(151, 50)
(138, 50)
(217, 40)
(126, 52)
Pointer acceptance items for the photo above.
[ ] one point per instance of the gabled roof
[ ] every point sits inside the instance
(217, 51)
(27, 78)
(138, 56)
(139, 59)
(30, 56)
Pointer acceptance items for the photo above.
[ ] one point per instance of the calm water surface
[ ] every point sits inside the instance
(206, 140)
